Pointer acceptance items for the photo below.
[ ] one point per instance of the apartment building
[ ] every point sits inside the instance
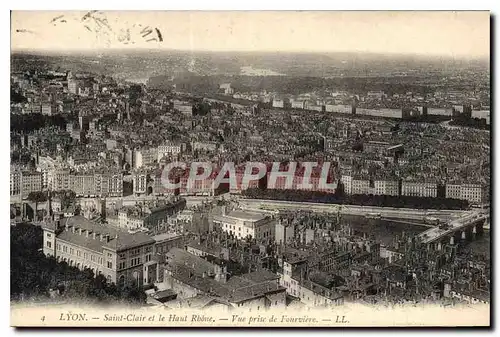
(474, 193)
(139, 183)
(386, 187)
(30, 182)
(360, 186)
(168, 150)
(419, 189)
(15, 182)
(83, 185)
(347, 183)
(144, 157)
(60, 180)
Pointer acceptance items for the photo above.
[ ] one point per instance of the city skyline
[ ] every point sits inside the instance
(442, 34)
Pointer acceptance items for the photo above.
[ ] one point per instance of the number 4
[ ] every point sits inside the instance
(43, 318)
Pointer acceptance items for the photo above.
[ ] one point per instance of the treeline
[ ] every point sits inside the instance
(356, 199)
(287, 84)
(32, 122)
(33, 275)
(16, 97)
(477, 123)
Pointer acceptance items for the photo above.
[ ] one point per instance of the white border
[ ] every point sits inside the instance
(202, 5)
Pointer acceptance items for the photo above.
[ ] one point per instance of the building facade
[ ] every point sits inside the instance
(243, 224)
(117, 255)
(419, 189)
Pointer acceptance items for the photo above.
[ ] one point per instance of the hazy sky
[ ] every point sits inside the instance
(456, 34)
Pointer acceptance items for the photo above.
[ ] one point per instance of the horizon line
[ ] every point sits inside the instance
(296, 51)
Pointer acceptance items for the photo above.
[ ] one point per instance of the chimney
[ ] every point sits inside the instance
(73, 229)
(94, 235)
(66, 227)
(108, 237)
(102, 237)
(87, 233)
(80, 231)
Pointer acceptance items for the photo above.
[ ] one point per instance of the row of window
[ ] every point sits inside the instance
(78, 253)
(135, 251)
(135, 261)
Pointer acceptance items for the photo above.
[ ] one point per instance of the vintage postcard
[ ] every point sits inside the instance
(249, 169)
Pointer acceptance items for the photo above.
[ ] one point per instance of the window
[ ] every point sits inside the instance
(148, 258)
(49, 244)
(135, 261)
(58, 246)
(78, 253)
(85, 255)
(71, 251)
(110, 255)
(110, 265)
(65, 249)
(49, 235)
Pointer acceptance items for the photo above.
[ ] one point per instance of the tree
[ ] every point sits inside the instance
(67, 197)
(36, 197)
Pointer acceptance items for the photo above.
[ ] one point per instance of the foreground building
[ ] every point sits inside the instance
(121, 257)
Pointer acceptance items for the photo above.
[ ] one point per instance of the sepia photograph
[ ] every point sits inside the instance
(250, 169)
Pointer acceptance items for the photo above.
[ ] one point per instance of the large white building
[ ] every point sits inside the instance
(419, 189)
(88, 185)
(144, 157)
(474, 193)
(278, 103)
(139, 183)
(15, 182)
(167, 150)
(347, 182)
(386, 187)
(244, 223)
(185, 108)
(360, 186)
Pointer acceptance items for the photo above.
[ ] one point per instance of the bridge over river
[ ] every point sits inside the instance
(464, 227)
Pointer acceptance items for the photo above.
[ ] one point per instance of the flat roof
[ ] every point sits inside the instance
(246, 215)
(165, 236)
